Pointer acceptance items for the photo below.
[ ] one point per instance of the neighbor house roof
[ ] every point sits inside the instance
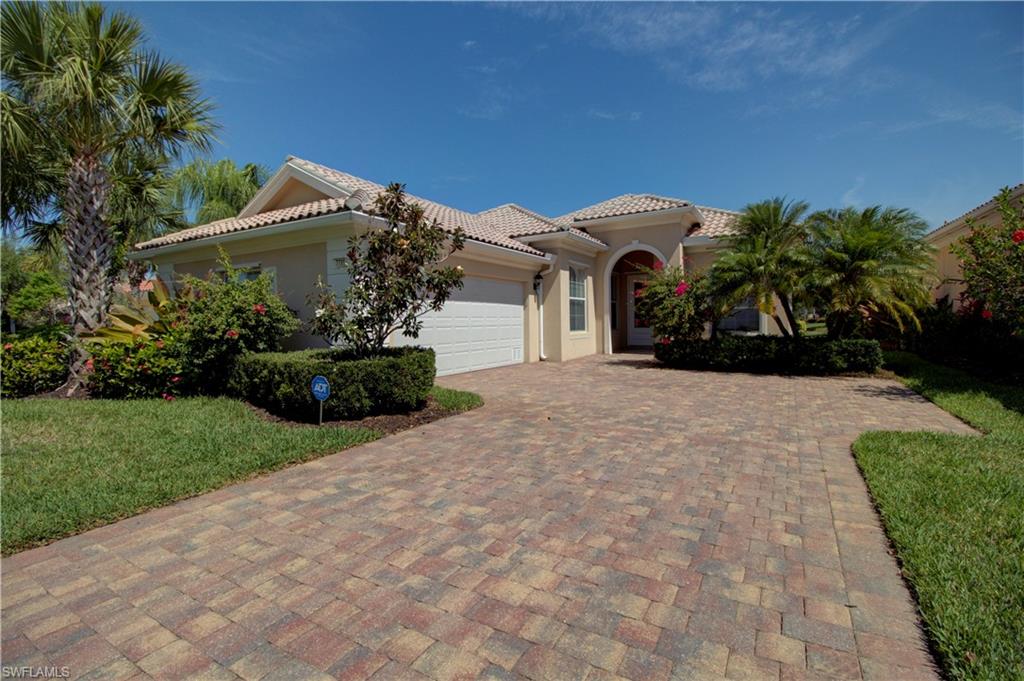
(507, 225)
(1015, 193)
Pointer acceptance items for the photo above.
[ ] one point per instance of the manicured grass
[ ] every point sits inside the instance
(953, 506)
(455, 400)
(69, 465)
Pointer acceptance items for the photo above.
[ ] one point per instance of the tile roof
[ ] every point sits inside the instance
(520, 222)
(504, 225)
(717, 222)
(626, 204)
(476, 227)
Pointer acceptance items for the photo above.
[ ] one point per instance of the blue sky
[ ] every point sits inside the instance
(559, 106)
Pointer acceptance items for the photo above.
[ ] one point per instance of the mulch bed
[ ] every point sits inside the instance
(385, 424)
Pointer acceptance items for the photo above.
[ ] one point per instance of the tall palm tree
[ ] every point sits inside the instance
(97, 95)
(764, 259)
(211, 191)
(868, 264)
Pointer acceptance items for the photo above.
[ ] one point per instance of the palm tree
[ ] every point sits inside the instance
(216, 190)
(868, 264)
(764, 261)
(94, 95)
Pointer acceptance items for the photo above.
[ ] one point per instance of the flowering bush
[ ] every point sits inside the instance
(141, 368)
(32, 365)
(992, 260)
(229, 317)
(395, 278)
(675, 304)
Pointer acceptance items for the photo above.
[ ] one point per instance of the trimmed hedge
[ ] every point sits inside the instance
(32, 365)
(398, 381)
(772, 354)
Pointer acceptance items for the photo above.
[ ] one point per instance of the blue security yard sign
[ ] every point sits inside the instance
(321, 388)
(321, 391)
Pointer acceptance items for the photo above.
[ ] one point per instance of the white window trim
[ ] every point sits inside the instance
(268, 269)
(580, 271)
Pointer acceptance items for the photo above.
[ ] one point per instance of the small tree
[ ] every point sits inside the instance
(395, 278)
(675, 305)
(993, 266)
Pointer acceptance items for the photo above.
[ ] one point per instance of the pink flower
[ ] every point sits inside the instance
(986, 314)
(175, 379)
(259, 308)
(89, 364)
(8, 346)
(665, 341)
(638, 293)
(659, 265)
(682, 288)
(1018, 236)
(146, 285)
(169, 397)
(159, 344)
(231, 333)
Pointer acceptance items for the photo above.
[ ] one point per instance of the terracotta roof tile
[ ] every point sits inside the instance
(717, 222)
(476, 227)
(626, 204)
(520, 222)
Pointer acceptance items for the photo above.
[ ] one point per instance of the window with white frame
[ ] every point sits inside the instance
(253, 272)
(577, 299)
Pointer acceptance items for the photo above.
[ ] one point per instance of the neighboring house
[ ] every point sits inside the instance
(951, 283)
(535, 287)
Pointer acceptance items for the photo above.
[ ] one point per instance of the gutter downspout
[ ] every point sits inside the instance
(538, 289)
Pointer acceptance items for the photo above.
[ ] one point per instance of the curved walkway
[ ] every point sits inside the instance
(595, 519)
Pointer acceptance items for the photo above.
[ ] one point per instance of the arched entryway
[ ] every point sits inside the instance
(623, 275)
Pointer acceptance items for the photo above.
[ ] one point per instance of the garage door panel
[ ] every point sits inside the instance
(481, 326)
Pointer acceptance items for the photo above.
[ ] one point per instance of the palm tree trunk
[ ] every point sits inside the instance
(90, 254)
(781, 325)
(787, 307)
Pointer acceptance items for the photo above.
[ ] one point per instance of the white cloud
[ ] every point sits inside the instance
(851, 197)
(604, 115)
(469, 44)
(729, 47)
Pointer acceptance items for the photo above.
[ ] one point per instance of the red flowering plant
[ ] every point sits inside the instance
(675, 303)
(992, 258)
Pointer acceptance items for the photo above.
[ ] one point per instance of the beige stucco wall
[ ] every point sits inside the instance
(293, 193)
(947, 265)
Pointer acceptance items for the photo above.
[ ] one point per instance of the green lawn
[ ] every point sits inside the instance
(953, 506)
(69, 465)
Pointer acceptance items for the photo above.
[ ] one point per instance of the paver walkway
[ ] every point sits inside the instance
(596, 519)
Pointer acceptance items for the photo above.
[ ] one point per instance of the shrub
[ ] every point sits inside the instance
(138, 369)
(33, 365)
(395, 278)
(228, 318)
(675, 305)
(37, 301)
(396, 381)
(772, 354)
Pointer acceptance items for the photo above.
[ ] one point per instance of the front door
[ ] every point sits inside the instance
(637, 330)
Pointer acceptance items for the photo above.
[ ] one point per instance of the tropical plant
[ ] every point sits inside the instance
(764, 262)
(137, 369)
(676, 305)
(149, 316)
(868, 267)
(208, 191)
(992, 260)
(395, 277)
(82, 94)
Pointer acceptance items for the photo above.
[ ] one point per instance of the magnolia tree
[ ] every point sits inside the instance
(676, 306)
(993, 266)
(395, 277)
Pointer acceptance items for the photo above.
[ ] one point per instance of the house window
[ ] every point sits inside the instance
(744, 318)
(253, 272)
(614, 297)
(577, 299)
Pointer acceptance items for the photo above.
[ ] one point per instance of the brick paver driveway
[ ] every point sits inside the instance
(595, 519)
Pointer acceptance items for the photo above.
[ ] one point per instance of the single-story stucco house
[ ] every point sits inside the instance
(535, 287)
(951, 283)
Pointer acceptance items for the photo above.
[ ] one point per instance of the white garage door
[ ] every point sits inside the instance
(479, 327)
